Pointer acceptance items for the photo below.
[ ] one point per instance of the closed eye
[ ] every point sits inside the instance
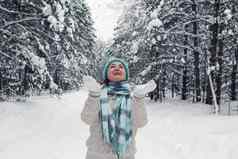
(112, 66)
(121, 66)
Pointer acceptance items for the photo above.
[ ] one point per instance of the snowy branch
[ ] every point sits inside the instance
(36, 31)
(175, 70)
(189, 34)
(19, 21)
(184, 1)
(6, 55)
(183, 14)
(178, 45)
(11, 11)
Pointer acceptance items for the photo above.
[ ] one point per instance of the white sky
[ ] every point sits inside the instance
(105, 14)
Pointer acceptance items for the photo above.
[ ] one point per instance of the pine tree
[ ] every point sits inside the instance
(45, 44)
(190, 38)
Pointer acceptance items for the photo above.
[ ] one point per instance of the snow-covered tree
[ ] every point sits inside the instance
(130, 39)
(180, 40)
(44, 44)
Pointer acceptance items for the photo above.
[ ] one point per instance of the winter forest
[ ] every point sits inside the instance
(189, 47)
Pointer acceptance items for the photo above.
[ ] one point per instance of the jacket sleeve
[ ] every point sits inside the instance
(139, 112)
(90, 111)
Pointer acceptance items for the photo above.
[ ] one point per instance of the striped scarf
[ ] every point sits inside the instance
(117, 124)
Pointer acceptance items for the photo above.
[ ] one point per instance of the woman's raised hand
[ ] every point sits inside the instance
(142, 90)
(91, 84)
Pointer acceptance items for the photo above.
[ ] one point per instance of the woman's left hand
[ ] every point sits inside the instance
(142, 90)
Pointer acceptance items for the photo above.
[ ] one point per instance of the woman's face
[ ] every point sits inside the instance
(116, 72)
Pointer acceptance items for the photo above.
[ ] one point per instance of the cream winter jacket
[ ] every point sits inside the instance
(97, 148)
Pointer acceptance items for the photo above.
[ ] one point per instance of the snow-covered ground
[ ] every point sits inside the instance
(49, 128)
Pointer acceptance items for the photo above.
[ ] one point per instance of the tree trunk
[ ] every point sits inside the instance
(164, 82)
(213, 50)
(173, 86)
(196, 57)
(233, 76)
(26, 82)
(205, 79)
(157, 90)
(220, 67)
(1, 81)
(184, 84)
(213, 93)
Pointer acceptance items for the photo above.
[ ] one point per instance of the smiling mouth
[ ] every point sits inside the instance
(117, 73)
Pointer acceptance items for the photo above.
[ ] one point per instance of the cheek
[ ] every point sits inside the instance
(123, 74)
(110, 74)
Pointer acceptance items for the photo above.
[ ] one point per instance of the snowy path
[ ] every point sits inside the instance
(48, 128)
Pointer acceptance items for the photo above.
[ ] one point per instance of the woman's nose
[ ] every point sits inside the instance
(117, 67)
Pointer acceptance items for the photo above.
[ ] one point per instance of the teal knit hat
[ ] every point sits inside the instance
(112, 60)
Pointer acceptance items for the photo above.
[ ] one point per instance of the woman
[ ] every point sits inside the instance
(114, 112)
